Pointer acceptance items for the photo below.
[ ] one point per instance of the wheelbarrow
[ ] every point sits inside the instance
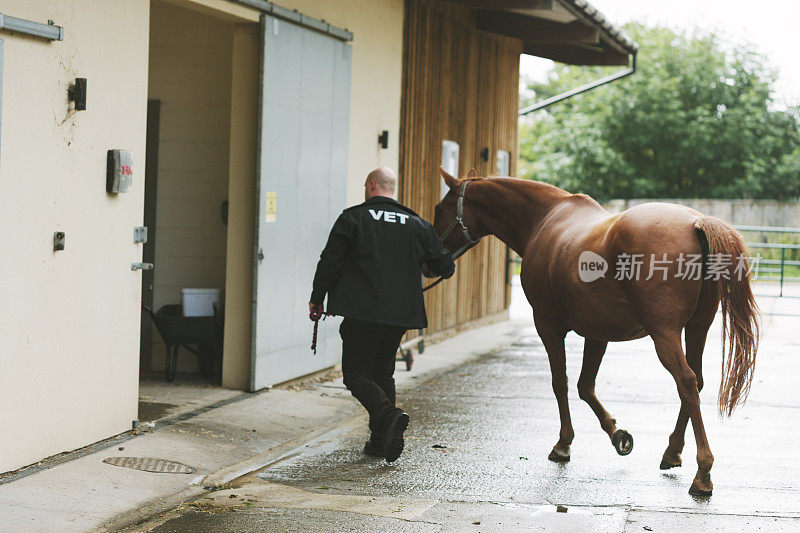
(200, 335)
(404, 350)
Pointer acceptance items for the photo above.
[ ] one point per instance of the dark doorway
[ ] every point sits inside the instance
(149, 250)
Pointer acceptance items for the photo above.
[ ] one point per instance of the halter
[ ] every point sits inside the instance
(460, 221)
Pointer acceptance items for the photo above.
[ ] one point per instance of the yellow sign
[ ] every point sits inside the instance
(272, 200)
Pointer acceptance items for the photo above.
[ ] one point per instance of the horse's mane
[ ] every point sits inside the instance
(529, 186)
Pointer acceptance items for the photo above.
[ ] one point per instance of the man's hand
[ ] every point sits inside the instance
(312, 308)
(426, 271)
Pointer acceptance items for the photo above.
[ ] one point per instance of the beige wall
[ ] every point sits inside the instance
(69, 320)
(190, 73)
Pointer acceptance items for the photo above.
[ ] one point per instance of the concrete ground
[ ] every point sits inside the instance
(483, 421)
(241, 434)
(160, 399)
(476, 451)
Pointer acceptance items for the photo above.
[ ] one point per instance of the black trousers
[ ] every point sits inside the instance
(368, 352)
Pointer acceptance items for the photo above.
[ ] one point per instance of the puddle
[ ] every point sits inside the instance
(149, 411)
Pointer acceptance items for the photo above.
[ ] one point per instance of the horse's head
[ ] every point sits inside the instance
(451, 220)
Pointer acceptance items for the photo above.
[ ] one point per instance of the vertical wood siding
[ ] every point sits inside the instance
(459, 84)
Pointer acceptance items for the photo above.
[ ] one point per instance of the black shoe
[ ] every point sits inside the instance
(393, 438)
(373, 449)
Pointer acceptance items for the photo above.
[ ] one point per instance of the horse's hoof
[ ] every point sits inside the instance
(701, 489)
(622, 441)
(671, 462)
(558, 456)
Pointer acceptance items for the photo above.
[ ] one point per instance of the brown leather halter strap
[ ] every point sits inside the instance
(459, 220)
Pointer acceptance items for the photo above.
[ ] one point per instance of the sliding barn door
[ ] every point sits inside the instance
(304, 114)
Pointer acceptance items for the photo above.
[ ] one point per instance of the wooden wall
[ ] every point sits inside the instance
(459, 84)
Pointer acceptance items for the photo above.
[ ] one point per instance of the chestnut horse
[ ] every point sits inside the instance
(553, 231)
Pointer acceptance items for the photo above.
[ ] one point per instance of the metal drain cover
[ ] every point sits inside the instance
(150, 464)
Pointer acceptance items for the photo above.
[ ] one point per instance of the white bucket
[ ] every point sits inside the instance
(199, 302)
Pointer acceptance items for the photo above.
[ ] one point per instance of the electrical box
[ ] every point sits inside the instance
(119, 172)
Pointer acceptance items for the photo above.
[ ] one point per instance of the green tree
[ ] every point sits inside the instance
(696, 120)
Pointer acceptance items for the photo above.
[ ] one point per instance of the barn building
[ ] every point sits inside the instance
(235, 131)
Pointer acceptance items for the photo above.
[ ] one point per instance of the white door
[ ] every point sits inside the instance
(301, 187)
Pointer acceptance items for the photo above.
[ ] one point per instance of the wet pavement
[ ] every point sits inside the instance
(476, 453)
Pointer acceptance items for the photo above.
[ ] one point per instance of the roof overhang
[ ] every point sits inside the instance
(567, 31)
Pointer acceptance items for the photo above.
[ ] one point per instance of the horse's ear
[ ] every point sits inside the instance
(448, 179)
(472, 173)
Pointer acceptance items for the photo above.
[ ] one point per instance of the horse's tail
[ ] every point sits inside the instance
(740, 315)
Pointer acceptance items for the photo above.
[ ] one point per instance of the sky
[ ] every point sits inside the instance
(768, 24)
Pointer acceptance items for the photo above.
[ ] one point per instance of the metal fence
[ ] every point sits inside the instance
(773, 269)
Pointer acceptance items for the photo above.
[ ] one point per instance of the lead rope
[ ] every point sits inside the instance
(435, 283)
(315, 316)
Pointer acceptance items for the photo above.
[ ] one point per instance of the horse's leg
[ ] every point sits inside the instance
(695, 333)
(670, 353)
(695, 343)
(593, 351)
(552, 336)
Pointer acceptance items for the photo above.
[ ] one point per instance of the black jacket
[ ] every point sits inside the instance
(371, 266)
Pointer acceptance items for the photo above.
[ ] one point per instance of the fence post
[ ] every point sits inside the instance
(783, 258)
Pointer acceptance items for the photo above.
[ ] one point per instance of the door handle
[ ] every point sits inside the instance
(260, 255)
(141, 266)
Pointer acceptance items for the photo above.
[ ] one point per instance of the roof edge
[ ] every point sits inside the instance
(585, 10)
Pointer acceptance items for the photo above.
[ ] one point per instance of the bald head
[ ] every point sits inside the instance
(380, 182)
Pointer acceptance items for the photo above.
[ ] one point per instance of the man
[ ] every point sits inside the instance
(371, 270)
